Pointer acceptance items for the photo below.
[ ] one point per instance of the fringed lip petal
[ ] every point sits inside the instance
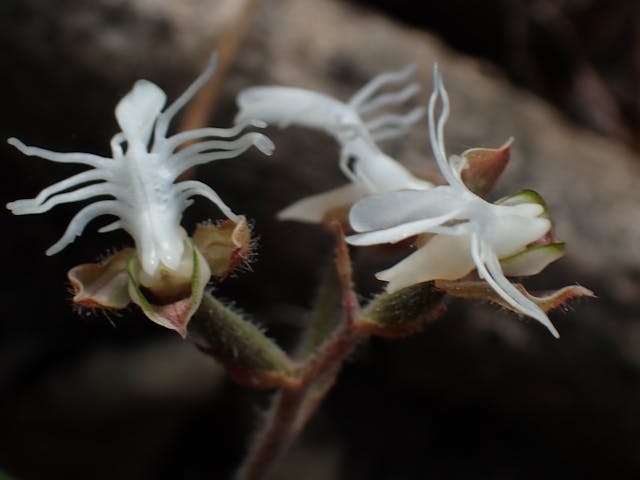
(287, 106)
(139, 180)
(361, 160)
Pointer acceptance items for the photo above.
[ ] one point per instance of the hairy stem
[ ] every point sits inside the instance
(292, 407)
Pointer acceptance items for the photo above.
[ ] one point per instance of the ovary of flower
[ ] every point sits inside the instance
(146, 199)
(361, 160)
(467, 232)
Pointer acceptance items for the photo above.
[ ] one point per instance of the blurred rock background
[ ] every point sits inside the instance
(478, 393)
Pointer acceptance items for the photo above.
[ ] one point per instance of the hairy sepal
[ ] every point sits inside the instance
(224, 246)
(104, 284)
(402, 312)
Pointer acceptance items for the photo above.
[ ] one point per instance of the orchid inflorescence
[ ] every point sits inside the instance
(467, 247)
(461, 236)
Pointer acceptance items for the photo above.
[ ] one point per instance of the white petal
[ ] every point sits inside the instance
(443, 257)
(509, 234)
(138, 110)
(378, 171)
(532, 260)
(313, 209)
(391, 209)
(403, 231)
(284, 106)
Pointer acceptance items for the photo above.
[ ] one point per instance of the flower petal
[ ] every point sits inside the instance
(523, 197)
(102, 285)
(313, 209)
(171, 311)
(390, 209)
(442, 257)
(377, 171)
(404, 230)
(284, 106)
(508, 234)
(489, 270)
(531, 260)
(138, 110)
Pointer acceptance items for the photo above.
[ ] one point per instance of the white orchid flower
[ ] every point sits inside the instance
(369, 169)
(146, 199)
(467, 232)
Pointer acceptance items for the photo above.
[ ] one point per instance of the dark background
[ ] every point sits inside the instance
(91, 395)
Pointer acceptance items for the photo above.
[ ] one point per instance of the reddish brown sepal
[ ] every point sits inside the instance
(224, 246)
(102, 285)
(479, 290)
(485, 165)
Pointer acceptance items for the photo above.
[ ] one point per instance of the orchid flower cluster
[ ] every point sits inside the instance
(466, 246)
